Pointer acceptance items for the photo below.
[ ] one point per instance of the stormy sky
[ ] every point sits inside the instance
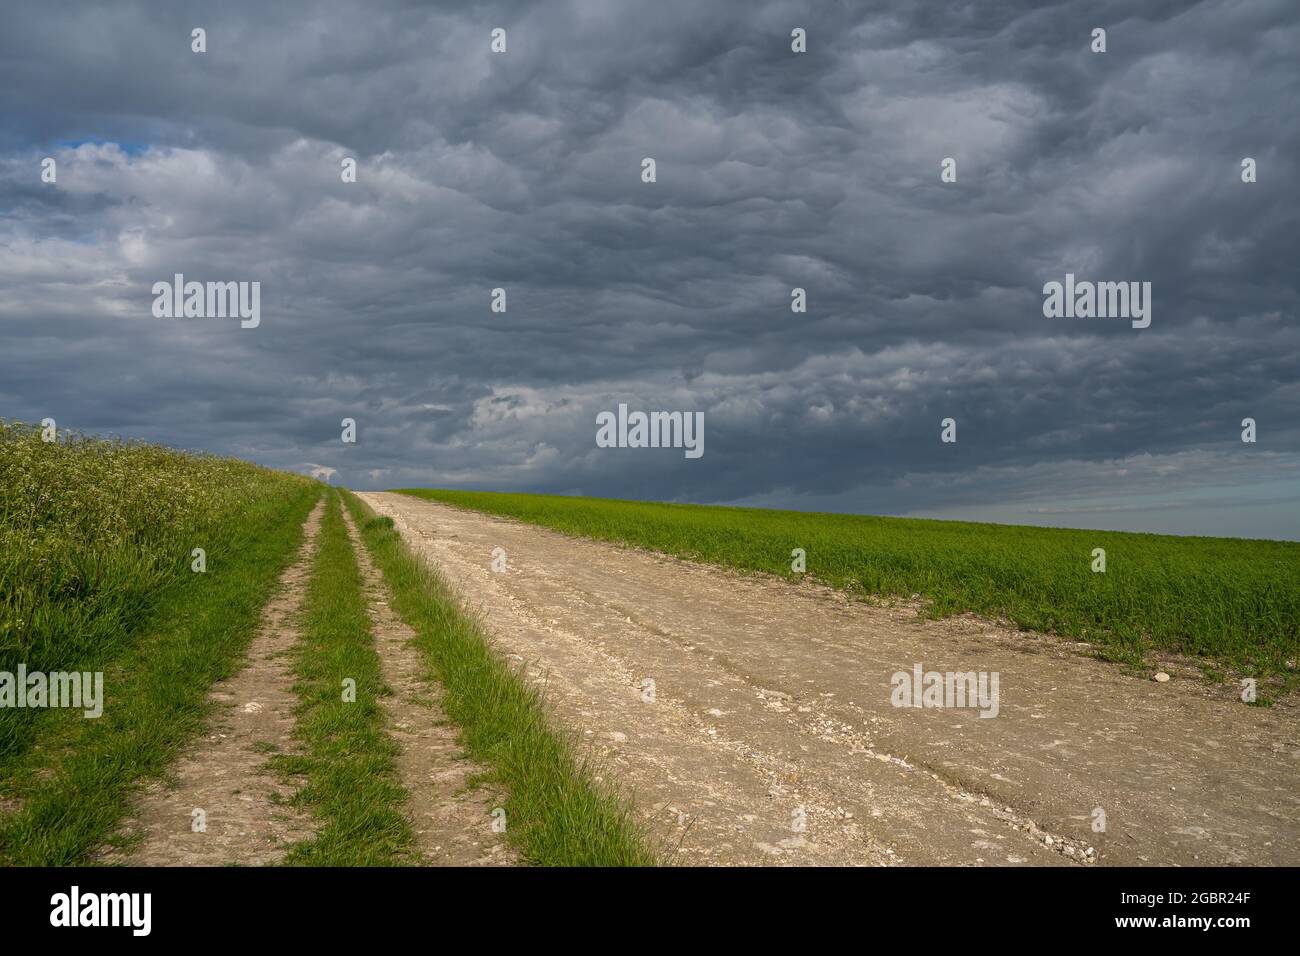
(821, 170)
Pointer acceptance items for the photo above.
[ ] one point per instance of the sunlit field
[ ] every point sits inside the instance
(1229, 601)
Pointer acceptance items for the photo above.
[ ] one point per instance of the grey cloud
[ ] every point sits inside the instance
(775, 171)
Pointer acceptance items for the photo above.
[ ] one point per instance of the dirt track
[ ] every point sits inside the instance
(450, 819)
(246, 812)
(770, 736)
(246, 817)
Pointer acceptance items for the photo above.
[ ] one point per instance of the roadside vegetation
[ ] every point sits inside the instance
(96, 575)
(558, 813)
(1227, 601)
(350, 762)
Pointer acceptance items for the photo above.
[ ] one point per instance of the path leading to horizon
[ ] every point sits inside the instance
(751, 718)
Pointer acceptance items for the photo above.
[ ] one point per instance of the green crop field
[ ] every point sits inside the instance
(1229, 601)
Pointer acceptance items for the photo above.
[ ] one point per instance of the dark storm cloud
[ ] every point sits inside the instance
(775, 170)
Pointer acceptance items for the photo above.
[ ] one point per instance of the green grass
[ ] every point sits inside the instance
(557, 813)
(1232, 601)
(123, 598)
(94, 534)
(350, 763)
